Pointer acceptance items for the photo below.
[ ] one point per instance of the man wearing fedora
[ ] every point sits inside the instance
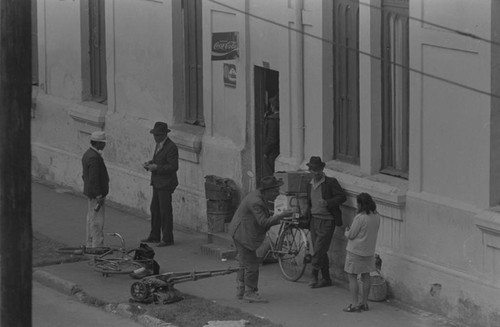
(95, 187)
(163, 168)
(248, 229)
(324, 197)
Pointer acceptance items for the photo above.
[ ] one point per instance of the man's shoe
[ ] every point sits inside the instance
(323, 283)
(162, 244)
(313, 283)
(253, 297)
(150, 240)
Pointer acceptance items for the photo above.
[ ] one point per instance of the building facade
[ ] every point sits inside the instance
(399, 97)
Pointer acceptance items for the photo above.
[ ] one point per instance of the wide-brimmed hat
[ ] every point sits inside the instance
(98, 136)
(270, 182)
(160, 128)
(315, 163)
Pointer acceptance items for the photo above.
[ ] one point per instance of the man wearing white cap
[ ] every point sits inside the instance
(95, 187)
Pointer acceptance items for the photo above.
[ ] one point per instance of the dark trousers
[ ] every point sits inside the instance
(249, 275)
(268, 165)
(321, 237)
(162, 220)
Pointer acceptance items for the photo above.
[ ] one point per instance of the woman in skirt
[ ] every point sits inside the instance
(360, 256)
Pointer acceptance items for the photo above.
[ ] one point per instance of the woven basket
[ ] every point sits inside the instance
(378, 290)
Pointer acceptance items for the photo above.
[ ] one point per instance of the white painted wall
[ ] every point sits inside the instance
(143, 59)
(62, 48)
(449, 150)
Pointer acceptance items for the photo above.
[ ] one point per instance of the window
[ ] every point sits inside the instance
(346, 103)
(193, 59)
(97, 51)
(34, 43)
(395, 87)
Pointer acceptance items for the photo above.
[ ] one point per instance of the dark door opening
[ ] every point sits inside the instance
(266, 84)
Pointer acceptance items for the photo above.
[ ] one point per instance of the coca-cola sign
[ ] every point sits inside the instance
(225, 46)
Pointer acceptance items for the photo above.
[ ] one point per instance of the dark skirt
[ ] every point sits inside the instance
(357, 264)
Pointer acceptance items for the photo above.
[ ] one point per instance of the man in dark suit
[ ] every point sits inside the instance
(248, 229)
(163, 170)
(324, 195)
(95, 187)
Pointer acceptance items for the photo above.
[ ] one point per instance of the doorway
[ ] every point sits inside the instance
(266, 86)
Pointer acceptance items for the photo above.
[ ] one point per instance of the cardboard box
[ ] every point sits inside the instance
(294, 181)
(289, 202)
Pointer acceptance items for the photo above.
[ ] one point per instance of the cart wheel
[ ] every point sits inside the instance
(139, 291)
(71, 250)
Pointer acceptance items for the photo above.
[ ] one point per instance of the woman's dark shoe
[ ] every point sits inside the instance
(363, 307)
(351, 308)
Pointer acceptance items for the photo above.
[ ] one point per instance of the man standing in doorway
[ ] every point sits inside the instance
(271, 136)
(95, 187)
(163, 170)
(324, 196)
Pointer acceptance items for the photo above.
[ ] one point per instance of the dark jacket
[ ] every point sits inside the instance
(333, 194)
(272, 134)
(95, 175)
(251, 221)
(167, 159)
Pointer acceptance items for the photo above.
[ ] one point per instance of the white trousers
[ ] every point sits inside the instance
(95, 224)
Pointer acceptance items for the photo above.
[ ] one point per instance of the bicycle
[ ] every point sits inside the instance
(109, 260)
(292, 247)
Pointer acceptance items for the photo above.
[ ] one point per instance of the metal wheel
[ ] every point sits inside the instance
(71, 250)
(139, 291)
(116, 266)
(97, 250)
(293, 250)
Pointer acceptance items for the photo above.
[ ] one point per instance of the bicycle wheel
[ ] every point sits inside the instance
(71, 250)
(97, 250)
(116, 266)
(293, 249)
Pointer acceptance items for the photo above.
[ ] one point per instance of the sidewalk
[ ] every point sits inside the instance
(60, 215)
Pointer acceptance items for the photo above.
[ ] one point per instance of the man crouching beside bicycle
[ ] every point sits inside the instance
(248, 229)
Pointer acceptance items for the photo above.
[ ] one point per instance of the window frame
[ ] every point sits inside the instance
(346, 77)
(193, 39)
(395, 88)
(97, 84)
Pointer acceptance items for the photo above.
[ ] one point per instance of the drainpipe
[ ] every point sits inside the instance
(300, 82)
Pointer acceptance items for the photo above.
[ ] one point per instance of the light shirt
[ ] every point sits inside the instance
(98, 151)
(159, 146)
(317, 210)
(315, 184)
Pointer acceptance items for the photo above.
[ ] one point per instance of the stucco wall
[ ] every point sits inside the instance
(445, 111)
(62, 48)
(143, 59)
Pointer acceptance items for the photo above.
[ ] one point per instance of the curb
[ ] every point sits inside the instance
(122, 309)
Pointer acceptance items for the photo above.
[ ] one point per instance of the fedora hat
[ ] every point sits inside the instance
(270, 182)
(160, 128)
(315, 163)
(98, 136)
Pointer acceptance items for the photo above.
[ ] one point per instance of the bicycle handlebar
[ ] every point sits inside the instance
(119, 236)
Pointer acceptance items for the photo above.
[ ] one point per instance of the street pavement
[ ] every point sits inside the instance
(52, 308)
(60, 214)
